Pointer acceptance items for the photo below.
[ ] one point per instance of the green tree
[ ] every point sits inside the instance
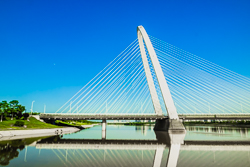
(20, 110)
(1, 111)
(5, 107)
(13, 108)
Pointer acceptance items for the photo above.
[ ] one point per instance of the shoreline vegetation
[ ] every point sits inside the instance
(12, 110)
(13, 116)
(219, 123)
(31, 123)
(77, 124)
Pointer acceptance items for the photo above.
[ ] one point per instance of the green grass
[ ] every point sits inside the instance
(77, 123)
(33, 123)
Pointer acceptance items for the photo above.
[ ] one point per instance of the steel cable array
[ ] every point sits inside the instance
(197, 85)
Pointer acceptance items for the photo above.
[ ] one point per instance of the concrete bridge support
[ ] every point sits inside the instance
(104, 125)
(169, 125)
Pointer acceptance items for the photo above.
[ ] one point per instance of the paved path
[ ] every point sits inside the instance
(20, 134)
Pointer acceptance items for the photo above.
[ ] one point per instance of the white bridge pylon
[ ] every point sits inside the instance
(167, 98)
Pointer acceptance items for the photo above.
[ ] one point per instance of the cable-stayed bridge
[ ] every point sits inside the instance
(138, 82)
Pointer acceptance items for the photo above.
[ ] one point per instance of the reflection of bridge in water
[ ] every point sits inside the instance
(144, 129)
(218, 129)
(164, 150)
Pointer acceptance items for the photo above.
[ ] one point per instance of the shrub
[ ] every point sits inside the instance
(26, 115)
(19, 123)
(36, 113)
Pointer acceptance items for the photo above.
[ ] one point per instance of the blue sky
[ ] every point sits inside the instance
(50, 49)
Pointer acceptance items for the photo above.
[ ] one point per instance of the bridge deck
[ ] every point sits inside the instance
(143, 117)
(100, 117)
(214, 116)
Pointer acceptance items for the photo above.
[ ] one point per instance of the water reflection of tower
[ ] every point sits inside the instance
(144, 130)
(137, 128)
(152, 128)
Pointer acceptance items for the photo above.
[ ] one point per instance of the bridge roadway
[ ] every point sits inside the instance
(143, 117)
(100, 117)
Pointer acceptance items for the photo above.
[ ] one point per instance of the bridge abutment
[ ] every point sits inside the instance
(169, 124)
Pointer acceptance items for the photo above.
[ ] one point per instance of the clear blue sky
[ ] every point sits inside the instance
(51, 48)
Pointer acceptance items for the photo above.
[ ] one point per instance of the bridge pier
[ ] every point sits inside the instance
(104, 124)
(169, 125)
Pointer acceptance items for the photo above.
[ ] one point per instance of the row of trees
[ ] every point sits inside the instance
(11, 109)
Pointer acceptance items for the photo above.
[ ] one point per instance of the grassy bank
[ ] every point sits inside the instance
(74, 123)
(31, 124)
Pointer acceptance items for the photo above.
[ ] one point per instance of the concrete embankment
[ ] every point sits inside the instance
(77, 126)
(20, 134)
(88, 126)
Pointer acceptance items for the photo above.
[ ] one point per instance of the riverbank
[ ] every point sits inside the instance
(21, 134)
(231, 123)
(218, 124)
(31, 128)
(33, 123)
(83, 124)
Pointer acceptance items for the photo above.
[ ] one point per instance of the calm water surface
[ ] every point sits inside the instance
(132, 146)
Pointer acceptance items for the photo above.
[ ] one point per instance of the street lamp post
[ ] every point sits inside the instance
(31, 110)
(44, 108)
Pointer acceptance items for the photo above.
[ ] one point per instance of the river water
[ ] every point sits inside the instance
(132, 146)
